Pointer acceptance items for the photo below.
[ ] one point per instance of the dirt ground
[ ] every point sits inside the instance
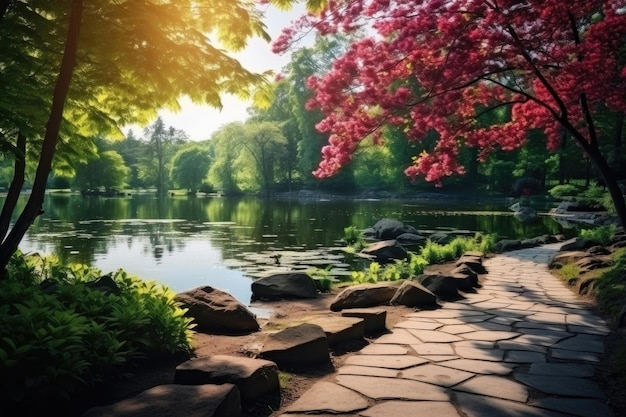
(295, 384)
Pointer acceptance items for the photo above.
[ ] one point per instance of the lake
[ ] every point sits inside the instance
(187, 241)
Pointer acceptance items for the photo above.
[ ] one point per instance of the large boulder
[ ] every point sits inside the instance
(567, 257)
(414, 294)
(441, 238)
(411, 239)
(297, 347)
(340, 329)
(255, 378)
(297, 285)
(474, 261)
(386, 250)
(442, 286)
(465, 270)
(387, 229)
(214, 310)
(176, 400)
(364, 295)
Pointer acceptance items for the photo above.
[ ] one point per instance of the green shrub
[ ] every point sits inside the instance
(568, 272)
(565, 192)
(610, 288)
(601, 234)
(322, 277)
(59, 334)
(353, 238)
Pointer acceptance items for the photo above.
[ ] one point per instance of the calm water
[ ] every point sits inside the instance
(184, 242)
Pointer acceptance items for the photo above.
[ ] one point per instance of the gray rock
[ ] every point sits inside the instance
(465, 270)
(375, 320)
(364, 295)
(507, 245)
(414, 294)
(284, 286)
(442, 286)
(578, 244)
(387, 229)
(255, 378)
(386, 250)
(176, 400)
(296, 347)
(411, 239)
(473, 261)
(566, 257)
(340, 329)
(217, 311)
(441, 238)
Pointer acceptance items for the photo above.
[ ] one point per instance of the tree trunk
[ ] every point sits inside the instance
(34, 205)
(16, 186)
(609, 178)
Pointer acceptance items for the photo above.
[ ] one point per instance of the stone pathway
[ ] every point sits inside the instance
(523, 345)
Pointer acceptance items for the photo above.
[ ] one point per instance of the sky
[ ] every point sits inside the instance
(201, 121)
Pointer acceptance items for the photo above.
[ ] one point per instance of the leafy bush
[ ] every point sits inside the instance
(601, 234)
(431, 253)
(322, 277)
(568, 272)
(353, 238)
(60, 333)
(611, 285)
(565, 192)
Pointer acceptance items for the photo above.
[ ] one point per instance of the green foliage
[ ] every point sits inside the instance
(565, 192)
(610, 288)
(107, 170)
(323, 278)
(601, 234)
(354, 238)
(568, 272)
(430, 253)
(190, 166)
(61, 332)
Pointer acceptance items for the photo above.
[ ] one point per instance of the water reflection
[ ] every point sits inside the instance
(185, 242)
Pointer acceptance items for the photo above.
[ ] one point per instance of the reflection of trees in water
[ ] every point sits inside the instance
(78, 228)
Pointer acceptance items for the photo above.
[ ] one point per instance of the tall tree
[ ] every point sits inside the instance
(107, 171)
(161, 140)
(190, 166)
(553, 64)
(72, 69)
(265, 144)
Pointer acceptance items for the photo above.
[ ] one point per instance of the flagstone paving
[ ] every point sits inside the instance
(522, 345)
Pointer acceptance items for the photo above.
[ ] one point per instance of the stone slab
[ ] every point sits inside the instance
(581, 370)
(479, 406)
(176, 400)
(494, 386)
(433, 349)
(432, 336)
(392, 389)
(385, 361)
(524, 356)
(375, 319)
(411, 408)
(328, 397)
(562, 385)
(435, 374)
(580, 407)
(340, 329)
(367, 371)
(479, 367)
(384, 349)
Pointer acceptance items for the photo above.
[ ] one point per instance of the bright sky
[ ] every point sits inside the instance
(201, 121)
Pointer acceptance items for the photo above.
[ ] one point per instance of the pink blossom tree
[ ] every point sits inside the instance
(438, 66)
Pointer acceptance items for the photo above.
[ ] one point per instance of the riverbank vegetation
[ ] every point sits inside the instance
(67, 328)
